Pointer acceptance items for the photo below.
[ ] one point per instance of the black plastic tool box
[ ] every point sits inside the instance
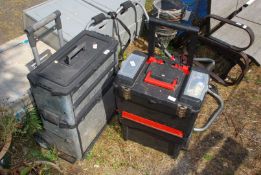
(160, 103)
(73, 92)
(159, 99)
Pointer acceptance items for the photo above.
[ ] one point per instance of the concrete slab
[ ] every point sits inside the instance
(16, 61)
(237, 37)
(252, 12)
(224, 8)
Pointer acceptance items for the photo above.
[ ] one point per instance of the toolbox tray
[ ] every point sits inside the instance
(185, 124)
(60, 77)
(75, 142)
(159, 137)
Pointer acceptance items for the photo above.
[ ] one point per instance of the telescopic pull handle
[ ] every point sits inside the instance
(30, 32)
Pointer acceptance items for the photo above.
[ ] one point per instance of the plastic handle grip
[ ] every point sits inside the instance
(153, 81)
(98, 18)
(126, 5)
(75, 52)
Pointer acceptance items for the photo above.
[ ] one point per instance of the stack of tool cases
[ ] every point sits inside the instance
(159, 98)
(158, 101)
(73, 92)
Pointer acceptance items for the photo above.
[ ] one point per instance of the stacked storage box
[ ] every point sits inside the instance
(159, 101)
(76, 14)
(132, 18)
(73, 92)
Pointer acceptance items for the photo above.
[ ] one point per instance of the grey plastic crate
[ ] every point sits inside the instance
(75, 16)
(125, 36)
(127, 17)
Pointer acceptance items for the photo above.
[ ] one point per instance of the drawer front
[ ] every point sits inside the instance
(93, 123)
(53, 108)
(65, 140)
(96, 119)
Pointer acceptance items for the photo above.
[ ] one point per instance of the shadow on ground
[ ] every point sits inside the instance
(226, 161)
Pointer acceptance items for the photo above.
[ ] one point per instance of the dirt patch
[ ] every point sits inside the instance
(12, 19)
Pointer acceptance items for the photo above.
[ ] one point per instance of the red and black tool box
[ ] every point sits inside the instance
(156, 106)
(159, 99)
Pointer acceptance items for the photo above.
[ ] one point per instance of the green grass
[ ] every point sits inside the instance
(49, 155)
(149, 5)
(31, 123)
(208, 157)
(89, 156)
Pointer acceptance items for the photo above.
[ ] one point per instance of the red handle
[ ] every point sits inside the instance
(153, 81)
(154, 60)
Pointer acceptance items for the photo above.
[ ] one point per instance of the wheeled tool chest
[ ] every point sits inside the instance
(73, 92)
(159, 101)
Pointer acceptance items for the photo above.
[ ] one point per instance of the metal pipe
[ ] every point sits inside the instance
(60, 35)
(89, 24)
(36, 56)
(144, 10)
(211, 66)
(215, 114)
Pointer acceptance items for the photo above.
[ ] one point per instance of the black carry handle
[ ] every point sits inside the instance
(75, 52)
(238, 25)
(126, 5)
(154, 22)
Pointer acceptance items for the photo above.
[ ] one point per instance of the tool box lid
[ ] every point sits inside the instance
(74, 63)
(160, 83)
(168, 87)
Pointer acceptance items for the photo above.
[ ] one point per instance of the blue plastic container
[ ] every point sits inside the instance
(198, 9)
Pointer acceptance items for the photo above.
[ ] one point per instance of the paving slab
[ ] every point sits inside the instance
(16, 61)
(250, 17)
(224, 8)
(252, 12)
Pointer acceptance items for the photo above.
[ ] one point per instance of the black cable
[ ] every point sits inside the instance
(123, 48)
(129, 40)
